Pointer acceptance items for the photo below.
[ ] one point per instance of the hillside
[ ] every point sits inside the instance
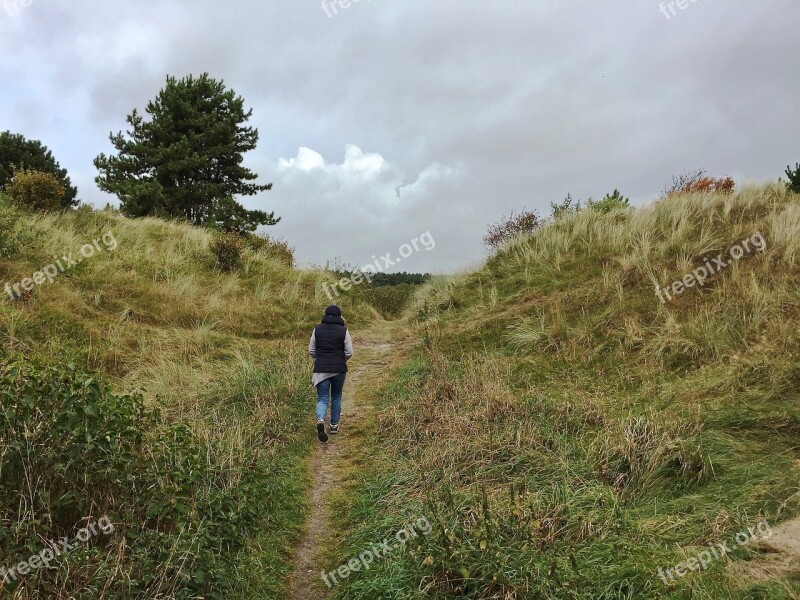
(570, 435)
(566, 422)
(142, 385)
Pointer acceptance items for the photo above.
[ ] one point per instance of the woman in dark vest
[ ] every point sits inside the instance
(331, 347)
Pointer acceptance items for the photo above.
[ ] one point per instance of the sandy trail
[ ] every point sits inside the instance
(330, 460)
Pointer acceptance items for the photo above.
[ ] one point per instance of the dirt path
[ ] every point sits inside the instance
(333, 458)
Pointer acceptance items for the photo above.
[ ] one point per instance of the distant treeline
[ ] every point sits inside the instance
(383, 279)
(342, 269)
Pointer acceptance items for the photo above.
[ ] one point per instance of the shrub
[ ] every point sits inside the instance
(526, 222)
(36, 190)
(390, 300)
(273, 248)
(697, 182)
(680, 182)
(567, 206)
(63, 426)
(18, 152)
(609, 202)
(794, 178)
(723, 185)
(72, 449)
(227, 249)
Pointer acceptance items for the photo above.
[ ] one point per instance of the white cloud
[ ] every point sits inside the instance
(357, 208)
(306, 160)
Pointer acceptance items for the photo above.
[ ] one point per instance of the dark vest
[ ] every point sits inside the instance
(330, 348)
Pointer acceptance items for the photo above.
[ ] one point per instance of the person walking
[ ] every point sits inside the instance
(331, 347)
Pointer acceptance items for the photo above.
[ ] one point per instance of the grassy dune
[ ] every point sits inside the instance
(144, 385)
(568, 434)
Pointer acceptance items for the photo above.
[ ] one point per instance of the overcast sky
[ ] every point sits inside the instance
(385, 119)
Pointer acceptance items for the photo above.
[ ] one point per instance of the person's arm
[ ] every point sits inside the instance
(312, 345)
(348, 345)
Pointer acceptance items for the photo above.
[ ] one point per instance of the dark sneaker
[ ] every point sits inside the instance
(321, 435)
(333, 430)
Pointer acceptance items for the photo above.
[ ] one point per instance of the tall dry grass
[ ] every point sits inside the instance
(220, 356)
(568, 434)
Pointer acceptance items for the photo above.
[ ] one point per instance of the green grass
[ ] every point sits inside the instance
(567, 434)
(214, 485)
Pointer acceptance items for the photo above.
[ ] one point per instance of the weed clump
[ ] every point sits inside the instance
(227, 249)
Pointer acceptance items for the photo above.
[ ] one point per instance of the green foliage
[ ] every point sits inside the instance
(388, 293)
(384, 279)
(180, 515)
(186, 161)
(35, 190)
(227, 249)
(9, 217)
(793, 185)
(272, 248)
(209, 504)
(390, 300)
(78, 439)
(616, 436)
(228, 215)
(566, 207)
(18, 153)
(612, 201)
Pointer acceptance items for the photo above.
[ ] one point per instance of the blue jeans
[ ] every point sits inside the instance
(332, 386)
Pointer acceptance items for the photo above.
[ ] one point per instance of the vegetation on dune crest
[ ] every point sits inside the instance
(36, 190)
(694, 182)
(793, 175)
(568, 434)
(20, 154)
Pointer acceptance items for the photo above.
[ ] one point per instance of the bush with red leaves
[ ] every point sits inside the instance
(526, 222)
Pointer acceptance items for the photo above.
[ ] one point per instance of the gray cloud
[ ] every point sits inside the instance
(455, 112)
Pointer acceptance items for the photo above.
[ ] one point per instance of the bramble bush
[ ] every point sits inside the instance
(72, 451)
(526, 222)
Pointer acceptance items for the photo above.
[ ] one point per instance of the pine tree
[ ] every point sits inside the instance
(186, 160)
(609, 202)
(794, 178)
(18, 153)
